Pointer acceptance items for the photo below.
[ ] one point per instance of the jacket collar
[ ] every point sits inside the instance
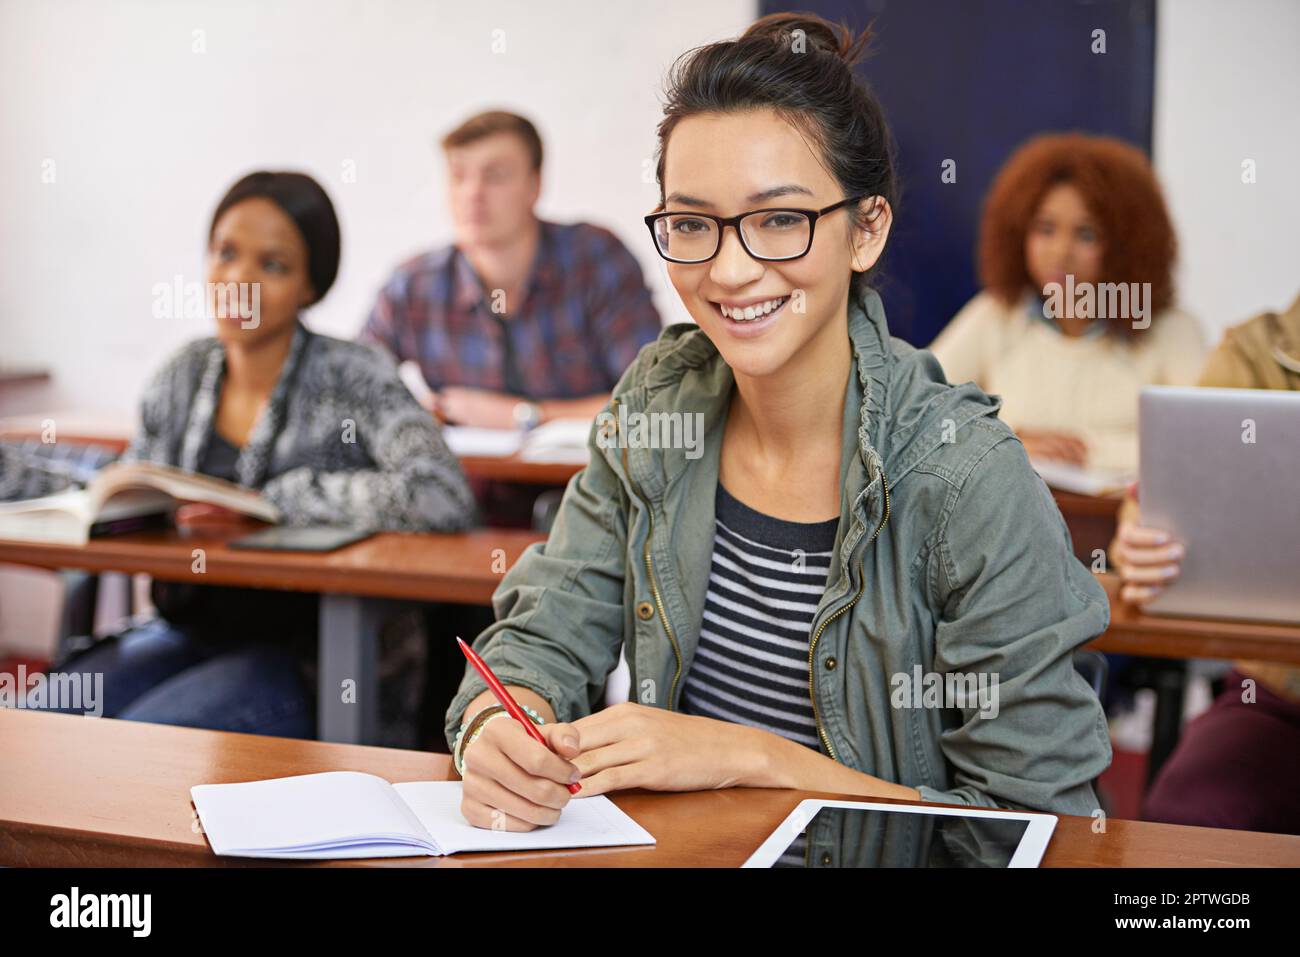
(895, 414)
(690, 376)
(255, 456)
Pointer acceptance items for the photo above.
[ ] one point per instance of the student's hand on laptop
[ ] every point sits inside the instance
(1061, 446)
(481, 407)
(1148, 560)
(633, 745)
(511, 782)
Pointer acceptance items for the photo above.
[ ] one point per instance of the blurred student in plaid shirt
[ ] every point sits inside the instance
(520, 320)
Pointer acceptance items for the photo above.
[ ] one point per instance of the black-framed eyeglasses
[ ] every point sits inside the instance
(770, 235)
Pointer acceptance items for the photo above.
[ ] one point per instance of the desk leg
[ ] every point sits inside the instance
(348, 652)
(1170, 682)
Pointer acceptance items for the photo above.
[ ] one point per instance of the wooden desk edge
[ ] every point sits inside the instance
(1133, 632)
(46, 837)
(171, 560)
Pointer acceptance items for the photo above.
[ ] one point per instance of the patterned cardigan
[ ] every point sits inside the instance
(341, 441)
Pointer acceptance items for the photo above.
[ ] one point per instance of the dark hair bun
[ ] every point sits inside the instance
(801, 66)
(802, 32)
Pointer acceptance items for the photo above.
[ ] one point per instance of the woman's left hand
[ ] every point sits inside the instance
(632, 745)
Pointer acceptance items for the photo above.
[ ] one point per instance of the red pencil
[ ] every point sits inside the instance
(507, 702)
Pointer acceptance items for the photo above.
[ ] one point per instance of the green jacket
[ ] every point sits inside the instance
(951, 556)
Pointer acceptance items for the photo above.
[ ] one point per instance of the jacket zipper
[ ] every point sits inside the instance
(650, 571)
(812, 647)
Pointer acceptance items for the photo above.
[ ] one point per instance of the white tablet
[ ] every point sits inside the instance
(820, 833)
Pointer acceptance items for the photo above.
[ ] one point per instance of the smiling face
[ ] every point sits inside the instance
(762, 314)
(255, 241)
(1063, 238)
(492, 189)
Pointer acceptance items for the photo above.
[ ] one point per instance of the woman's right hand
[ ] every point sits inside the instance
(1148, 560)
(511, 782)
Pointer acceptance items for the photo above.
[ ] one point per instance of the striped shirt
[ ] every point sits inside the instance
(751, 664)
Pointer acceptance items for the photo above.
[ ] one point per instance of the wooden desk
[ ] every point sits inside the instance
(19, 375)
(462, 568)
(356, 585)
(1133, 632)
(512, 468)
(78, 428)
(98, 791)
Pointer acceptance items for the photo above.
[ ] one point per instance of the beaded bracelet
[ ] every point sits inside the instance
(478, 723)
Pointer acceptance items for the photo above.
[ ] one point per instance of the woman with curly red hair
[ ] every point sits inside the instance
(1076, 256)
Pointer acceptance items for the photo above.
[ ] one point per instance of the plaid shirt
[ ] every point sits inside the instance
(584, 315)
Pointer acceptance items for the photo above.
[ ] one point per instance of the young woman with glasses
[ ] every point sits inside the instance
(854, 532)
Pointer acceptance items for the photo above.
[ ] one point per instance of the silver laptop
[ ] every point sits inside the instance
(1220, 470)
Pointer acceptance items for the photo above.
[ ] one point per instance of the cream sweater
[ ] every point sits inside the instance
(1085, 385)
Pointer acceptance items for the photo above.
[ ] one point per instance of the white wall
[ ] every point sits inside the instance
(1227, 89)
(145, 135)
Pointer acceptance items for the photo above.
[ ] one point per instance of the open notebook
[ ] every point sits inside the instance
(350, 814)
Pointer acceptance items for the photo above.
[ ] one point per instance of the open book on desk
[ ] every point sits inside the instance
(349, 814)
(118, 498)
